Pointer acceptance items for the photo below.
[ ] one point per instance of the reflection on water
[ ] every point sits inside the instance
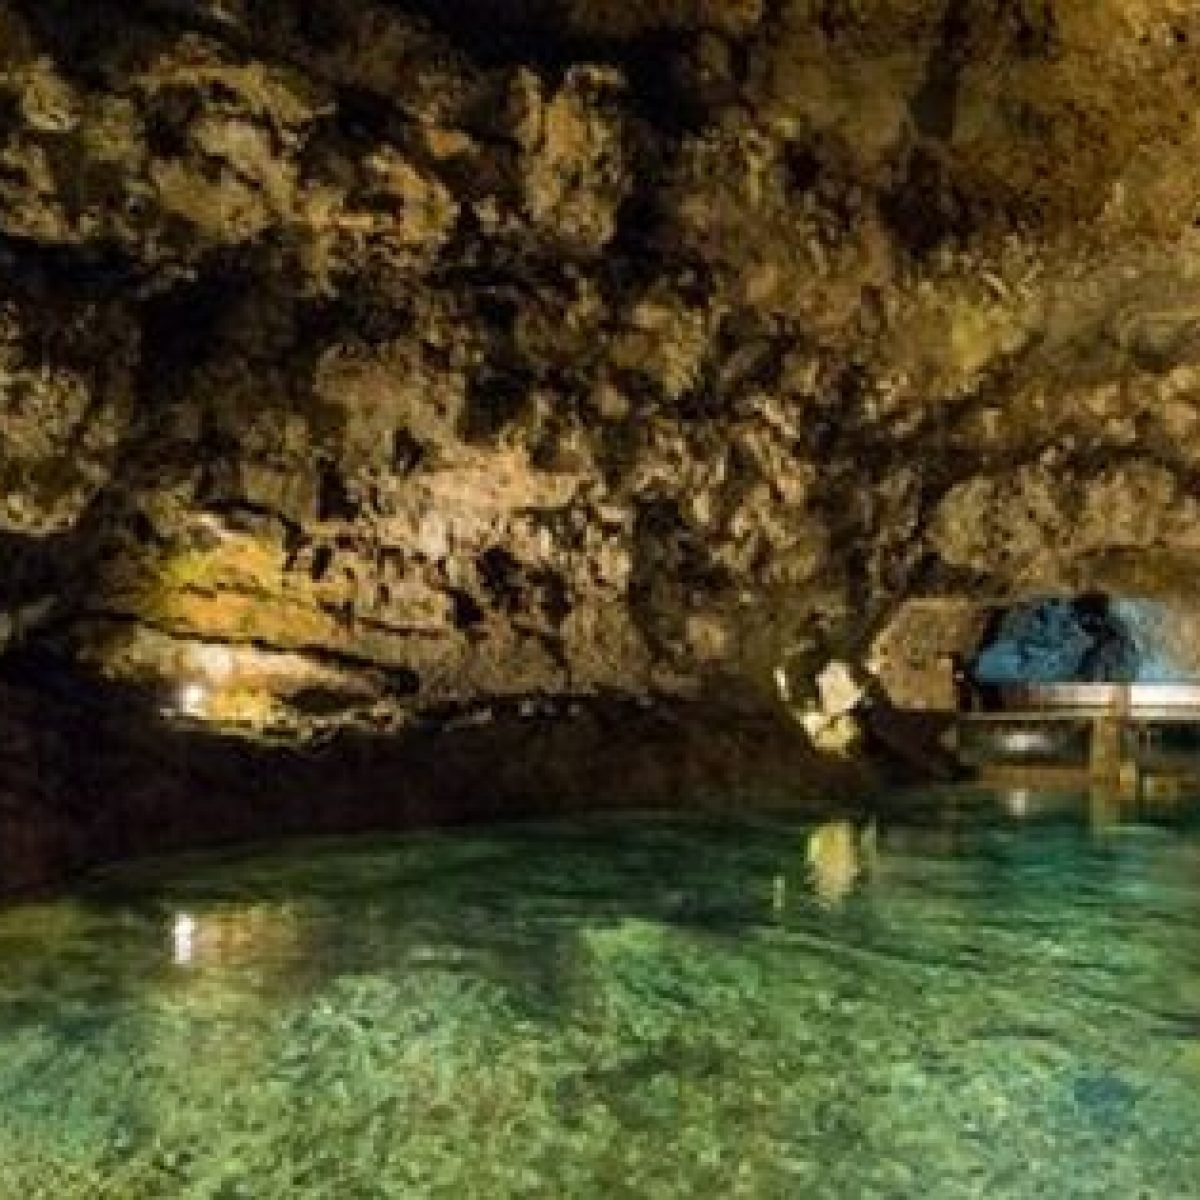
(1108, 808)
(183, 939)
(838, 856)
(973, 994)
(246, 934)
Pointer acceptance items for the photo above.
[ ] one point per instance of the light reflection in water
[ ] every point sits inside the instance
(1018, 802)
(838, 856)
(183, 930)
(249, 934)
(1105, 808)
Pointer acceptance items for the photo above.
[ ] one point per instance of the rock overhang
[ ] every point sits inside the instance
(347, 346)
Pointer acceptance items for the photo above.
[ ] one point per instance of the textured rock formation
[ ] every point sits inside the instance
(366, 360)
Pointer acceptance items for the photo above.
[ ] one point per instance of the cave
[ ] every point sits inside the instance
(1092, 638)
(598, 599)
(1087, 639)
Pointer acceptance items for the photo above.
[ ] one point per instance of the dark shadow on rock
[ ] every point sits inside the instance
(90, 775)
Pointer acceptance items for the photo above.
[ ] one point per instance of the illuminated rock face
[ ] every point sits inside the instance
(419, 356)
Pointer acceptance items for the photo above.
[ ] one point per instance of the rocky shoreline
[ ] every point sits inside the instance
(90, 777)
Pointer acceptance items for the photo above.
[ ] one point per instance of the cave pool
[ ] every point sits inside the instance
(969, 994)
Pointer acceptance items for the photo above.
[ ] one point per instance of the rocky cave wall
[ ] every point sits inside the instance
(364, 359)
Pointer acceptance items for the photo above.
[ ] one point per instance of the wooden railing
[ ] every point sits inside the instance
(1109, 697)
(1108, 709)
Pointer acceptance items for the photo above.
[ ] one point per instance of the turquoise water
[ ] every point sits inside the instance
(994, 996)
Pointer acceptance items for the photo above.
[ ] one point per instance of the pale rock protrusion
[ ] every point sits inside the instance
(828, 717)
(573, 158)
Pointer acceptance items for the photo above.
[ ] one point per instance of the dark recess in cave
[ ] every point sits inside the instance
(334, 502)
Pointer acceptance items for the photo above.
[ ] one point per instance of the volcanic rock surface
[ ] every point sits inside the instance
(360, 361)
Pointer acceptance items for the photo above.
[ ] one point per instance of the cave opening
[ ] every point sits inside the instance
(1058, 640)
(1092, 638)
(1111, 680)
(958, 653)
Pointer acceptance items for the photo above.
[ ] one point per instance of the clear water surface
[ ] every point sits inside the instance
(993, 995)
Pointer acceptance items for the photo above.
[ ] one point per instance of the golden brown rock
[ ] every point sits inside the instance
(590, 347)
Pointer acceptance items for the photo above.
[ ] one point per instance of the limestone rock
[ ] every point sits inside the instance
(575, 175)
(63, 409)
(483, 350)
(1034, 526)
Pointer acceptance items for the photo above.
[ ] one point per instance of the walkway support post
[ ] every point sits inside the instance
(1105, 758)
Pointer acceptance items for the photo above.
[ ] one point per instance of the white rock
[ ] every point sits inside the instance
(839, 691)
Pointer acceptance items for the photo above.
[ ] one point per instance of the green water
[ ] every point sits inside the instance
(996, 997)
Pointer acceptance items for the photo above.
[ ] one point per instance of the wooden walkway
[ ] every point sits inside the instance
(1108, 710)
(1168, 715)
(1067, 701)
